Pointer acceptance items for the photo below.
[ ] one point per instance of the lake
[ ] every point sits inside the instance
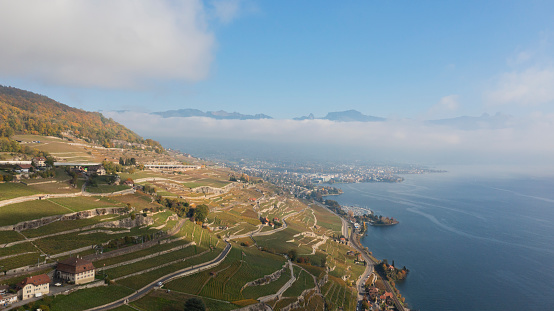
(471, 241)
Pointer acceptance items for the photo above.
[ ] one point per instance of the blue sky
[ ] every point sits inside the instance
(408, 61)
(399, 59)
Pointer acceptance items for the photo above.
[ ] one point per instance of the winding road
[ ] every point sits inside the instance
(167, 278)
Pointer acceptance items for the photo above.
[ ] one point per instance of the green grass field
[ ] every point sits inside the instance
(21, 260)
(255, 292)
(303, 281)
(138, 200)
(138, 254)
(15, 213)
(17, 249)
(60, 226)
(224, 282)
(9, 236)
(143, 279)
(15, 190)
(207, 182)
(106, 188)
(67, 242)
(150, 263)
(84, 203)
(160, 300)
(88, 298)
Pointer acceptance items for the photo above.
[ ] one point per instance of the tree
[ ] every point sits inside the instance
(195, 304)
(201, 212)
(292, 254)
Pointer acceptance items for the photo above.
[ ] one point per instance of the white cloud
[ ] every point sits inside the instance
(526, 141)
(105, 43)
(226, 10)
(444, 107)
(530, 87)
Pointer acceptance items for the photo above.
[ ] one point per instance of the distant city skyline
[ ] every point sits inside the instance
(393, 59)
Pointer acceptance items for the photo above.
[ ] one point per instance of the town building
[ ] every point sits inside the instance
(23, 168)
(39, 161)
(33, 286)
(75, 270)
(96, 169)
(7, 299)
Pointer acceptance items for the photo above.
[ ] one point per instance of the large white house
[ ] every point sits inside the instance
(75, 270)
(33, 286)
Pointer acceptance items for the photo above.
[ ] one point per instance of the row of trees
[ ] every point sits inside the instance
(183, 209)
(127, 161)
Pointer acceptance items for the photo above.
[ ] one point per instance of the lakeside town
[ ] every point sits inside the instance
(316, 179)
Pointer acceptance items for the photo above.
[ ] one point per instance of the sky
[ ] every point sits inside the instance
(407, 61)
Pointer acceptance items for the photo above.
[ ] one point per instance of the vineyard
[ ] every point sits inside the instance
(226, 280)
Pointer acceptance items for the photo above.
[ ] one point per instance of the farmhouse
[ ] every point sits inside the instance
(96, 169)
(33, 286)
(39, 161)
(75, 270)
(23, 168)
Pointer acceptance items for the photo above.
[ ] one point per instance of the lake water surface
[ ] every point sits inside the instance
(471, 242)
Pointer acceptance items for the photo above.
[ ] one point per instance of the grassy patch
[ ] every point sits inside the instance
(225, 281)
(83, 203)
(9, 236)
(60, 226)
(15, 190)
(255, 292)
(138, 254)
(106, 188)
(56, 187)
(151, 263)
(15, 213)
(303, 281)
(17, 249)
(175, 301)
(143, 279)
(88, 298)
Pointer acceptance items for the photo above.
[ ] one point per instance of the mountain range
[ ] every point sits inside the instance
(219, 115)
(484, 121)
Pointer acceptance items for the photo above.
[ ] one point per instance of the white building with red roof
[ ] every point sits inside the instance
(75, 270)
(33, 286)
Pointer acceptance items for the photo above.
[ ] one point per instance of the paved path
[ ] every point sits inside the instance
(258, 232)
(282, 289)
(167, 278)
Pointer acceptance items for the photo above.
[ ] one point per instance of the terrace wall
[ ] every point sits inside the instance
(33, 224)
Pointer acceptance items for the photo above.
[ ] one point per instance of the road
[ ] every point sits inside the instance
(258, 232)
(167, 278)
(370, 263)
(282, 289)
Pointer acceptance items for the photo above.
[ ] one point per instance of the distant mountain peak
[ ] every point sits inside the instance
(351, 116)
(497, 121)
(220, 115)
(308, 117)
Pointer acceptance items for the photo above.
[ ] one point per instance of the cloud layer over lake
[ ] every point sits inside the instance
(521, 141)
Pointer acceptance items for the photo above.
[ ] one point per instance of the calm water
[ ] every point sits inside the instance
(471, 243)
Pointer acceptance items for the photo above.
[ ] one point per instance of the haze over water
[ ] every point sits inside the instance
(471, 242)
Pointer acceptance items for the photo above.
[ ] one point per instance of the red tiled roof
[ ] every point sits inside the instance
(74, 265)
(36, 280)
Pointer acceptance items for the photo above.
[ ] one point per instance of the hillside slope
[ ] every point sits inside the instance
(25, 112)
